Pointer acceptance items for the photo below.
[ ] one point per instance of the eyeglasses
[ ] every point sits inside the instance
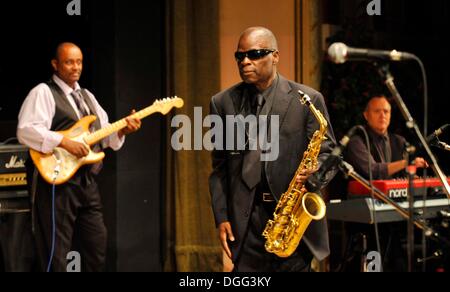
(252, 54)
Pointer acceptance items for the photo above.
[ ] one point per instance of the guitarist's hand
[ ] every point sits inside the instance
(133, 125)
(77, 149)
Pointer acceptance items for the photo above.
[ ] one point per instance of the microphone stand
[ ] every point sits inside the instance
(348, 170)
(411, 171)
(411, 124)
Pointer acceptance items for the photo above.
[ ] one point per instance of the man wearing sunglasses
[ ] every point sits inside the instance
(245, 190)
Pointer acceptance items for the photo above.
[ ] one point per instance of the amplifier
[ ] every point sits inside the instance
(14, 197)
(12, 166)
(15, 206)
(13, 180)
(13, 158)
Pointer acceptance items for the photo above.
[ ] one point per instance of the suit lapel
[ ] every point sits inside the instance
(238, 97)
(279, 104)
(279, 107)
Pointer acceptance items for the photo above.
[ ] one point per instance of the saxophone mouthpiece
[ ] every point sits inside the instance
(304, 98)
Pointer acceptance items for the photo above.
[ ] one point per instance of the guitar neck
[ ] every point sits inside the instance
(101, 134)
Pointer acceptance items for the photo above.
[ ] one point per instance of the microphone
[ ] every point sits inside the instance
(340, 53)
(431, 138)
(315, 181)
(443, 145)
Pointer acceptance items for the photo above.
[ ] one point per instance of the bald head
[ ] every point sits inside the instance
(261, 35)
(68, 63)
(63, 47)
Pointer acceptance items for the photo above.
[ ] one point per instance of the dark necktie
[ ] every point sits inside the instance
(386, 148)
(251, 166)
(259, 103)
(78, 98)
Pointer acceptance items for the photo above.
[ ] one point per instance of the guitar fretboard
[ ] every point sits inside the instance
(101, 134)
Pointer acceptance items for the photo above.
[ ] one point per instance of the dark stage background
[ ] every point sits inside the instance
(124, 56)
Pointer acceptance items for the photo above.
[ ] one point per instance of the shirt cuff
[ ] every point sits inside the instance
(221, 218)
(115, 142)
(51, 141)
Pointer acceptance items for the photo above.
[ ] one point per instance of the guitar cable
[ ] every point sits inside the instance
(52, 252)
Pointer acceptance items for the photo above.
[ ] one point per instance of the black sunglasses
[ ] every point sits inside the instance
(253, 54)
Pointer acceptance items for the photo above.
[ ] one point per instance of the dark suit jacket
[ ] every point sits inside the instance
(232, 200)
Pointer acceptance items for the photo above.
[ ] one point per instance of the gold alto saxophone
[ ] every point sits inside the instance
(297, 207)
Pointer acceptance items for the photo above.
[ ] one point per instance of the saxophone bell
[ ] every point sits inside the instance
(314, 206)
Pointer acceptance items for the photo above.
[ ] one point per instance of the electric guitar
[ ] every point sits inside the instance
(60, 166)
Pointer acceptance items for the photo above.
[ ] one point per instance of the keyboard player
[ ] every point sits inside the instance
(386, 148)
(387, 163)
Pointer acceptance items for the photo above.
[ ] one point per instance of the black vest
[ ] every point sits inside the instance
(65, 116)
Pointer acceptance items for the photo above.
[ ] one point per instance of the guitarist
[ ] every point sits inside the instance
(55, 106)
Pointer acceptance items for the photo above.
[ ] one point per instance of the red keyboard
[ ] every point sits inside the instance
(394, 189)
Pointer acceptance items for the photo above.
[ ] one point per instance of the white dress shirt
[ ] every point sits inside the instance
(37, 113)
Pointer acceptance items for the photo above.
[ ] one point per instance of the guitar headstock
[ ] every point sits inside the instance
(164, 106)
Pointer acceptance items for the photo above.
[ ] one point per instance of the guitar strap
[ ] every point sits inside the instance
(95, 168)
(96, 125)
